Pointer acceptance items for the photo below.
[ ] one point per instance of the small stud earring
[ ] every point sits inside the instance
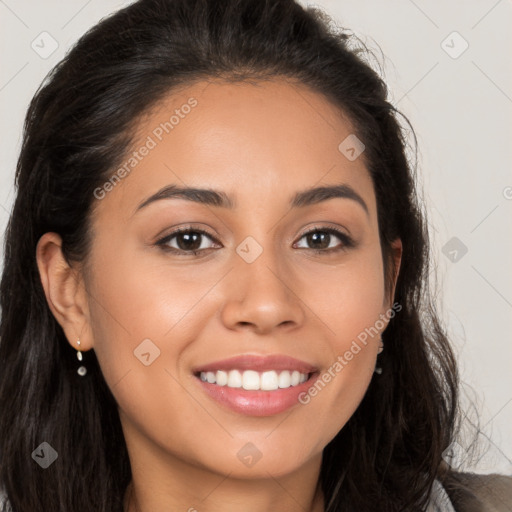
(82, 370)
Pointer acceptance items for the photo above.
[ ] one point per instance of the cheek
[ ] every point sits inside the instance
(350, 299)
(130, 308)
(347, 297)
(139, 305)
(335, 396)
(141, 299)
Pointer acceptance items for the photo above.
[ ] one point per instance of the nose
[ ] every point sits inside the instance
(260, 296)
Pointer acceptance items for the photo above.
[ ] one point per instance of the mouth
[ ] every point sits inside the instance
(256, 385)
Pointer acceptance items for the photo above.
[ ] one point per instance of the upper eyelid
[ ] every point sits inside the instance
(188, 229)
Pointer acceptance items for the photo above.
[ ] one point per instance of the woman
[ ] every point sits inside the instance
(215, 288)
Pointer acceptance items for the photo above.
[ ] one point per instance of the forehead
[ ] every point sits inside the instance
(252, 140)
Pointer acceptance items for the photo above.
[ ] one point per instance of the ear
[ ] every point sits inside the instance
(396, 260)
(65, 291)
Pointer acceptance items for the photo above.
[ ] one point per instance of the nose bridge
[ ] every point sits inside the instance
(260, 293)
(261, 267)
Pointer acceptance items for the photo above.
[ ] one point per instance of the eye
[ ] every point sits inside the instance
(188, 241)
(321, 238)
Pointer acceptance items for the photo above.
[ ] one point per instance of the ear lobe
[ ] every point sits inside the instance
(63, 289)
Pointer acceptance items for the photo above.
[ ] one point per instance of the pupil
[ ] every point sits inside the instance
(187, 237)
(315, 236)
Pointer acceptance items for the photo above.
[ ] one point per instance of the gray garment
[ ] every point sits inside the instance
(473, 492)
(439, 500)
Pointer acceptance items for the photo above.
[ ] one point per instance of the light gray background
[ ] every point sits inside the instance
(460, 107)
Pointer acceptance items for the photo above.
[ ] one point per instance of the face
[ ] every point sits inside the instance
(284, 287)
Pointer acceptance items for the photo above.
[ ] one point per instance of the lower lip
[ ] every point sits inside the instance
(258, 402)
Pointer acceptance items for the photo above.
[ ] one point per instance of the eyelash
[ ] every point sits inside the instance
(347, 241)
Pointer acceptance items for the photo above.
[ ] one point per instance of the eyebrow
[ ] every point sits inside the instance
(217, 198)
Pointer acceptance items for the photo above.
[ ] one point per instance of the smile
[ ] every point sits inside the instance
(256, 385)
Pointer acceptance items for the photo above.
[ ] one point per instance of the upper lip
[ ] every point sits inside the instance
(257, 363)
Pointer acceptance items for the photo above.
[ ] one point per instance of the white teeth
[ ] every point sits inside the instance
(269, 381)
(234, 379)
(284, 380)
(221, 378)
(252, 380)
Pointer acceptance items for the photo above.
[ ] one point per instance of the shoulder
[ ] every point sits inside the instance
(472, 492)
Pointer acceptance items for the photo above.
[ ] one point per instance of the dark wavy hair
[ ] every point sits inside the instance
(78, 129)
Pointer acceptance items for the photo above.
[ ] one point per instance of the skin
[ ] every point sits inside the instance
(260, 143)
